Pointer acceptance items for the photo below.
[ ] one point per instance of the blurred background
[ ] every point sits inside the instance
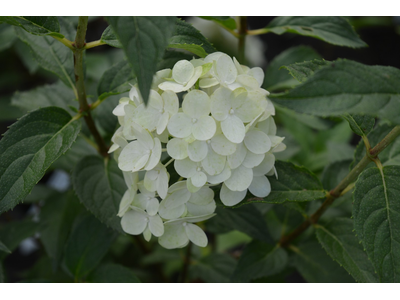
(312, 142)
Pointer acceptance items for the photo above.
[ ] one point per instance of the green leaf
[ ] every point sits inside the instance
(7, 36)
(35, 25)
(51, 54)
(100, 186)
(188, 38)
(339, 240)
(333, 30)
(143, 40)
(113, 273)
(87, 244)
(227, 22)
(4, 248)
(171, 57)
(376, 219)
(258, 260)
(109, 38)
(214, 268)
(278, 79)
(303, 70)
(247, 219)
(116, 80)
(104, 117)
(312, 262)
(26, 56)
(13, 233)
(56, 94)
(56, 218)
(2, 280)
(309, 120)
(360, 124)
(345, 86)
(29, 148)
(334, 173)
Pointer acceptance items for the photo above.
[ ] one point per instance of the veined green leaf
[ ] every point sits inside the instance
(100, 186)
(303, 70)
(339, 240)
(143, 40)
(227, 22)
(334, 173)
(7, 36)
(113, 273)
(258, 260)
(36, 25)
(346, 86)
(109, 38)
(360, 124)
(214, 268)
(376, 212)
(28, 149)
(333, 30)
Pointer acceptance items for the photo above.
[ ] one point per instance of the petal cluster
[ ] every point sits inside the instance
(209, 123)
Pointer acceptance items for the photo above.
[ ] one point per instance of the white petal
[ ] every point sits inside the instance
(204, 129)
(220, 103)
(225, 69)
(258, 74)
(135, 96)
(185, 167)
(198, 179)
(143, 136)
(195, 219)
(177, 148)
(199, 210)
(196, 104)
(204, 196)
(126, 201)
(275, 140)
(119, 109)
(260, 186)
(222, 145)
(197, 150)
(248, 110)
(214, 163)
(113, 148)
(191, 188)
(247, 81)
(171, 102)
(233, 129)
(268, 126)
(155, 100)
(257, 142)
(266, 165)
(171, 86)
(195, 77)
(131, 180)
(171, 213)
(133, 157)
(155, 155)
(174, 236)
(140, 201)
(147, 234)
(162, 183)
(162, 122)
(240, 179)
(196, 235)
(134, 222)
(176, 187)
(252, 160)
(237, 158)
(147, 117)
(152, 206)
(231, 198)
(150, 180)
(156, 226)
(180, 125)
(208, 82)
(182, 71)
(281, 147)
(224, 175)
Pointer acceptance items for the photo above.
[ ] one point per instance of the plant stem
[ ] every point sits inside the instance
(258, 31)
(342, 186)
(242, 31)
(186, 263)
(64, 41)
(80, 84)
(94, 44)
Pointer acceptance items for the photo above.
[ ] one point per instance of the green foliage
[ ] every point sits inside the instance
(188, 38)
(4, 248)
(375, 210)
(339, 240)
(113, 273)
(28, 149)
(100, 185)
(144, 40)
(302, 70)
(334, 173)
(360, 124)
(7, 36)
(36, 25)
(87, 244)
(227, 22)
(109, 38)
(258, 260)
(334, 30)
(346, 86)
(214, 268)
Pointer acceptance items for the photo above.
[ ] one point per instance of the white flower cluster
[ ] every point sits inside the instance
(223, 133)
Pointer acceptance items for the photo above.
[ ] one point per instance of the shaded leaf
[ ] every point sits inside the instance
(334, 173)
(225, 21)
(214, 268)
(35, 25)
(303, 70)
(4, 248)
(113, 273)
(109, 38)
(360, 124)
(7, 36)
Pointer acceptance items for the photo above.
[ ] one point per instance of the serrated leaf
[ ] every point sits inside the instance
(116, 80)
(29, 148)
(109, 38)
(339, 240)
(214, 268)
(56, 94)
(361, 125)
(7, 36)
(258, 260)
(143, 40)
(277, 78)
(345, 86)
(309, 120)
(171, 57)
(312, 262)
(246, 219)
(376, 219)
(51, 54)
(100, 186)
(35, 25)
(87, 244)
(4, 248)
(113, 273)
(188, 38)
(303, 70)
(227, 22)
(333, 30)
